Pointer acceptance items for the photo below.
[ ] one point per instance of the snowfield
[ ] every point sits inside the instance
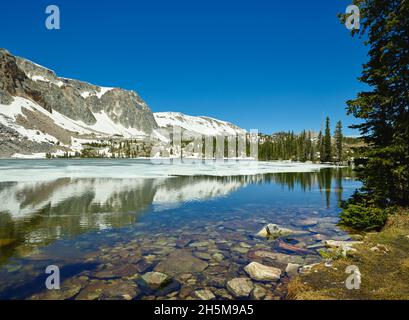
(202, 125)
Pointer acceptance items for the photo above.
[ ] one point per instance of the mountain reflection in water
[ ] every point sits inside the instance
(35, 214)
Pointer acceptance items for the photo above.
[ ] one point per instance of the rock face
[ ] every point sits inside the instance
(260, 272)
(98, 109)
(74, 99)
(240, 287)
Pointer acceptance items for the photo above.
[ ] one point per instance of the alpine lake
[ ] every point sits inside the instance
(116, 235)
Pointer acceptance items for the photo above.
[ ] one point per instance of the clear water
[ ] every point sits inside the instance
(86, 225)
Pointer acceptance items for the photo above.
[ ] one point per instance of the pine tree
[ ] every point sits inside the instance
(327, 148)
(338, 142)
(384, 108)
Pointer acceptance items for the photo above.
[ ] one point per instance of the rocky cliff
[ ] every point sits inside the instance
(35, 98)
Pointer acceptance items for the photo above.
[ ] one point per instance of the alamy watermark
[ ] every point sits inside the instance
(353, 282)
(53, 21)
(53, 280)
(353, 20)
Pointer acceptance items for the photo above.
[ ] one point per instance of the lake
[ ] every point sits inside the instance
(108, 223)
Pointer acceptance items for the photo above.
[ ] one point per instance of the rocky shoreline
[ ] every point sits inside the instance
(197, 268)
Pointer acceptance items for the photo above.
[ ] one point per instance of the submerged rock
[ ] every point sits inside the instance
(274, 256)
(286, 247)
(181, 261)
(156, 280)
(260, 272)
(274, 231)
(240, 287)
(203, 255)
(218, 257)
(258, 293)
(205, 294)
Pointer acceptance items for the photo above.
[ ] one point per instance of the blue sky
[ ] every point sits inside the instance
(261, 64)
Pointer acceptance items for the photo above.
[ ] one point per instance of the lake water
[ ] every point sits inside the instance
(107, 223)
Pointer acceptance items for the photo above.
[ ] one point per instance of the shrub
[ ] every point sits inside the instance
(361, 217)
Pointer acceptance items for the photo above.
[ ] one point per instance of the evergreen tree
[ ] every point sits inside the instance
(385, 107)
(338, 142)
(320, 146)
(327, 148)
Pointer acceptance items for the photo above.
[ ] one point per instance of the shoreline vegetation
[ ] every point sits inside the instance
(383, 262)
(381, 207)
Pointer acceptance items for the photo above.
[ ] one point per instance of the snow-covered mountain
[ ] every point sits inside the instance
(42, 113)
(201, 125)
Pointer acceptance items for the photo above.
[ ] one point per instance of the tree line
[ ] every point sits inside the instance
(306, 146)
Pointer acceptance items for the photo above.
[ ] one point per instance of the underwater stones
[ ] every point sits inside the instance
(318, 237)
(308, 222)
(156, 280)
(260, 272)
(92, 291)
(292, 269)
(286, 247)
(142, 266)
(181, 243)
(69, 289)
(199, 244)
(274, 256)
(240, 250)
(217, 281)
(181, 261)
(274, 231)
(240, 287)
(202, 255)
(223, 294)
(205, 294)
(258, 293)
(218, 257)
(120, 290)
(244, 245)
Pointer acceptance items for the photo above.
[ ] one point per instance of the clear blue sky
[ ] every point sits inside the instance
(265, 64)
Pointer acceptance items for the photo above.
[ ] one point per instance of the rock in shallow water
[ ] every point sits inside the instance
(240, 287)
(181, 261)
(274, 231)
(204, 294)
(156, 280)
(260, 272)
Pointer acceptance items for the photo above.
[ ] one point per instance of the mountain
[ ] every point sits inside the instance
(204, 126)
(42, 113)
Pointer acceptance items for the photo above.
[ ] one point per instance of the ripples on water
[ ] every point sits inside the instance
(88, 225)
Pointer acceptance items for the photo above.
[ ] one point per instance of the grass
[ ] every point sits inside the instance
(385, 275)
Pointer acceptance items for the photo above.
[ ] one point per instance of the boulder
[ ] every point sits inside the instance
(240, 287)
(260, 272)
